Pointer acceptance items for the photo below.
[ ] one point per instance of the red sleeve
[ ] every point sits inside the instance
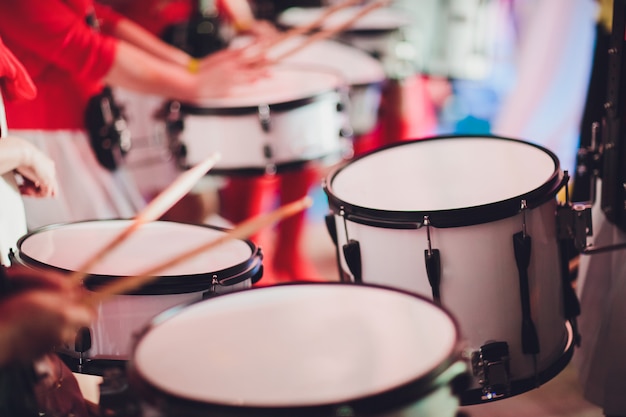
(107, 18)
(14, 80)
(51, 32)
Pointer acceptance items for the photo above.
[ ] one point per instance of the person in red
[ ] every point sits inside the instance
(38, 310)
(244, 196)
(70, 56)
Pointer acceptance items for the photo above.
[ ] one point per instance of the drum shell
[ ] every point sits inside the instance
(304, 133)
(120, 317)
(479, 275)
(434, 394)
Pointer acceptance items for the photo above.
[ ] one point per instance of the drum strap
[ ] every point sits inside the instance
(522, 246)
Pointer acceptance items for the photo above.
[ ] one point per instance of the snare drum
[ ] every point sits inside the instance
(380, 33)
(302, 350)
(290, 117)
(232, 266)
(447, 218)
(364, 75)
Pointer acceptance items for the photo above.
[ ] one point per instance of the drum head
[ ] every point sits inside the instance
(282, 84)
(300, 345)
(68, 246)
(446, 174)
(382, 19)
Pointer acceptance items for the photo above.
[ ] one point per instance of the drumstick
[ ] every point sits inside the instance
(241, 231)
(263, 47)
(155, 209)
(318, 22)
(332, 31)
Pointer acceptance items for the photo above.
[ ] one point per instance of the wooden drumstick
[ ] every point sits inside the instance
(155, 209)
(316, 23)
(332, 31)
(241, 231)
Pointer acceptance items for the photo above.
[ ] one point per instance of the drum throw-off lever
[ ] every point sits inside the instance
(432, 260)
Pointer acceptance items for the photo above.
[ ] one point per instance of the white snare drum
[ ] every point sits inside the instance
(438, 217)
(65, 247)
(364, 75)
(379, 33)
(302, 350)
(287, 118)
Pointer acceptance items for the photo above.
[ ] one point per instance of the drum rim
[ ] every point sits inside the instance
(328, 92)
(391, 398)
(175, 284)
(458, 217)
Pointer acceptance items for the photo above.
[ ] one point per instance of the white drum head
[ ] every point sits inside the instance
(295, 345)
(282, 84)
(379, 19)
(356, 66)
(69, 246)
(444, 174)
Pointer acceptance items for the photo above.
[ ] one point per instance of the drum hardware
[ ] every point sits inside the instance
(490, 364)
(352, 253)
(82, 344)
(174, 125)
(433, 264)
(522, 246)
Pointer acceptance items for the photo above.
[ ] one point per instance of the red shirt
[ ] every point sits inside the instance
(64, 56)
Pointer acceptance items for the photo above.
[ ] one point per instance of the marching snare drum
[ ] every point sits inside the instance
(364, 75)
(471, 223)
(290, 117)
(65, 247)
(302, 350)
(380, 33)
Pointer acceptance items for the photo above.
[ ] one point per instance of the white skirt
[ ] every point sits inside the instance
(87, 191)
(602, 289)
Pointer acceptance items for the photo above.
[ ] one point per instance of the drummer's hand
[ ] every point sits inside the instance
(263, 30)
(221, 71)
(43, 313)
(37, 169)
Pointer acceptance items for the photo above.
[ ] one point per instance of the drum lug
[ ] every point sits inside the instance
(490, 364)
(352, 254)
(264, 117)
(331, 226)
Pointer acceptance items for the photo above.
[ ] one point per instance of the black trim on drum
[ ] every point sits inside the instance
(393, 398)
(187, 108)
(179, 284)
(280, 167)
(466, 216)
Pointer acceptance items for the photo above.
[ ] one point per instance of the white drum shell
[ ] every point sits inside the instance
(120, 319)
(480, 281)
(292, 115)
(306, 133)
(479, 275)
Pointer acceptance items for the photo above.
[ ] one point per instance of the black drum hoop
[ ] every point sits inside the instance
(179, 284)
(395, 397)
(466, 216)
